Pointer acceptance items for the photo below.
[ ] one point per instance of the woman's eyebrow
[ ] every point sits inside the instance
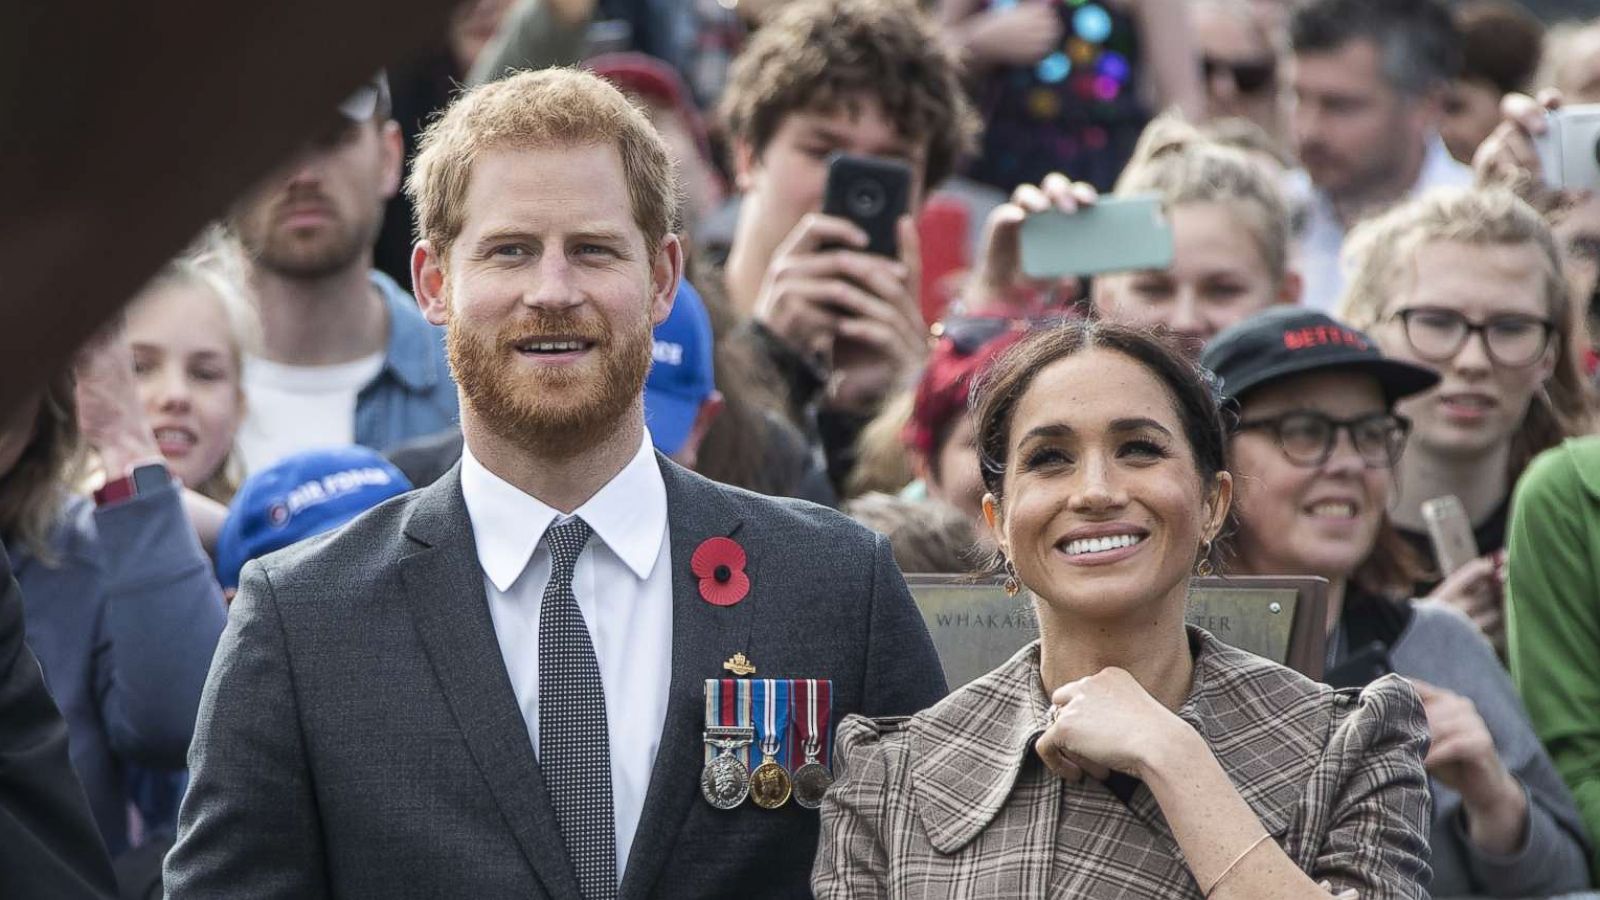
(1139, 424)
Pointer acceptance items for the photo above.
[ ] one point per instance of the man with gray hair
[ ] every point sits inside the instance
(1368, 79)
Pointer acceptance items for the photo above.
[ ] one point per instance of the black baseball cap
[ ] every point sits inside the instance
(1286, 341)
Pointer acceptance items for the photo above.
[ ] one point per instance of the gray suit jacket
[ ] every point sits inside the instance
(359, 737)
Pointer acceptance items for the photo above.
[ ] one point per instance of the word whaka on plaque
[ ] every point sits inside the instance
(768, 739)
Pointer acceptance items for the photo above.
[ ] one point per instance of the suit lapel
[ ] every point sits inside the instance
(703, 636)
(444, 590)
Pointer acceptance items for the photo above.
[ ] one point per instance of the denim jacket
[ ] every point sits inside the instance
(413, 394)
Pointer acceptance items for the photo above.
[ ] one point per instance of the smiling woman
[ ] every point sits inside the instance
(1123, 754)
(189, 331)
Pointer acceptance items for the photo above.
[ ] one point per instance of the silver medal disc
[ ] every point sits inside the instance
(725, 781)
(811, 781)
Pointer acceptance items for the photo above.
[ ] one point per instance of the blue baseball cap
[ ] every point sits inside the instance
(682, 376)
(301, 496)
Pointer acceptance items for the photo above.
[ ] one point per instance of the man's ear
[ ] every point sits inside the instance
(744, 164)
(1290, 290)
(665, 271)
(394, 157)
(428, 283)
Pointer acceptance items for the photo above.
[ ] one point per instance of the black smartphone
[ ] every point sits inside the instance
(871, 192)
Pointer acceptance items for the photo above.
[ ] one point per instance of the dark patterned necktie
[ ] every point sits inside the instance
(574, 747)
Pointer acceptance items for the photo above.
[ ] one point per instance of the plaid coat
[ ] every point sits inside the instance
(954, 803)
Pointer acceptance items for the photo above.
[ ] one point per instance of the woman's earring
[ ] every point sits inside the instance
(1203, 568)
(1012, 587)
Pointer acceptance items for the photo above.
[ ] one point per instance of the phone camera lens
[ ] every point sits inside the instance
(865, 199)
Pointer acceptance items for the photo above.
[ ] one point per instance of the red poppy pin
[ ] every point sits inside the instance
(719, 564)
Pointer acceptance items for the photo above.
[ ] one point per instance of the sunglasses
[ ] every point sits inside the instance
(1249, 76)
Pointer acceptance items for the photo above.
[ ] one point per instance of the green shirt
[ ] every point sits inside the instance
(1553, 612)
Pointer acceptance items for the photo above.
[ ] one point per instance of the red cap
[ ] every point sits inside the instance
(655, 81)
(946, 386)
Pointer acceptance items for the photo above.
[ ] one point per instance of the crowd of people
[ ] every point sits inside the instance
(463, 408)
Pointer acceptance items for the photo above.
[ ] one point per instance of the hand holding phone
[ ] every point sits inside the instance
(1454, 544)
(1117, 234)
(872, 194)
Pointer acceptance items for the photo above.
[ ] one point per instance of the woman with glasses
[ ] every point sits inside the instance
(1469, 284)
(1314, 442)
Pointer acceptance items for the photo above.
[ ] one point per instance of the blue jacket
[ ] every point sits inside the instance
(413, 394)
(124, 624)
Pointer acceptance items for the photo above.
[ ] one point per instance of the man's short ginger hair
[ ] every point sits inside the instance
(539, 109)
(821, 55)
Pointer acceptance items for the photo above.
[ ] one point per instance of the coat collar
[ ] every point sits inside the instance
(969, 751)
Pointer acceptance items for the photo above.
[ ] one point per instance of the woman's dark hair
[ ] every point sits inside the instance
(995, 396)
(31, 491)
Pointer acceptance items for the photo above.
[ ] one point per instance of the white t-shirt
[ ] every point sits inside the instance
(295, 408)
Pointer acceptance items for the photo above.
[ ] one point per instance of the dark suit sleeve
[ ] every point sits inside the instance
(249, 826)
(49, 845)
(903, 671)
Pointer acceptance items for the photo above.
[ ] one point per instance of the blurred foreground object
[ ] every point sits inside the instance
(107, 176)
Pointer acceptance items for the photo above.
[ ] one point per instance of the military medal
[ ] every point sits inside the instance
(769, 783)
(812, 780)
(725, 780)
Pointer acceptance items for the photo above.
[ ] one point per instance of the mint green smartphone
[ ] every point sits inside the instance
(1118, 234)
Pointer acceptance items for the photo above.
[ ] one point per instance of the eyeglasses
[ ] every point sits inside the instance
(969, 334)
(1307, 438)
(1249, 76)
(1437, 335)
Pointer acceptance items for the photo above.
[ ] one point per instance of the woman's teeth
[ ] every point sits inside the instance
(1334, 509)
(1101, 544)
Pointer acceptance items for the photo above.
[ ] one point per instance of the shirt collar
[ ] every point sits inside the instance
(628, 514)
(409, 356)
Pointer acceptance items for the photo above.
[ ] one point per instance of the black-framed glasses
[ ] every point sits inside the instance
(1307, 438)
(1249, 75)
(1512, 340)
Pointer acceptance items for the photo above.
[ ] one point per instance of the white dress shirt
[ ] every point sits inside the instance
(1322, 238)
(623, 584)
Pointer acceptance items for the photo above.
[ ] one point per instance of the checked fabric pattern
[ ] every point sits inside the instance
(574, 743)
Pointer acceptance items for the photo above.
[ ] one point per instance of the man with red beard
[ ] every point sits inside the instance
(497, 686)
(344, 357)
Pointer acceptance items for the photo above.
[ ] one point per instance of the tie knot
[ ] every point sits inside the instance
(566, 542)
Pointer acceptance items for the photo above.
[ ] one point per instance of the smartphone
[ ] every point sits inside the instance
(1118, 234)
(1454, 544)
(871, 192)
(1569, 150)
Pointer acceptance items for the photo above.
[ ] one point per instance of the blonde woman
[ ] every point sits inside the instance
(189, 330)
(1230, 230)
(1468, 282)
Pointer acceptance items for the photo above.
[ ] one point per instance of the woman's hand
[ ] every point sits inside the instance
(1476, 589)
(1019, 35)
(1507, 157)
(110, 412)
(998, 277)
(1462, 755)
(1109, 722)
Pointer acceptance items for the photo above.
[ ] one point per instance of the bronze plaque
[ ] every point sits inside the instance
(976, 627)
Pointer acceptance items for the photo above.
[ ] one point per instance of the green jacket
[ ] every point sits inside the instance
(1553, 612)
